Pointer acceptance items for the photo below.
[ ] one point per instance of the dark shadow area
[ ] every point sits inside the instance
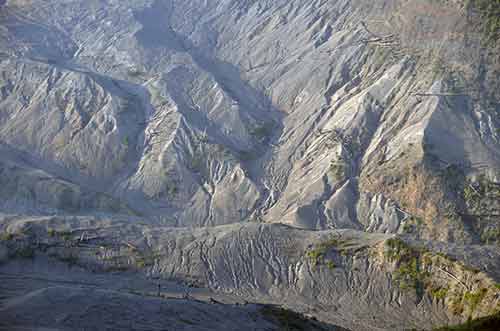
(488, 323)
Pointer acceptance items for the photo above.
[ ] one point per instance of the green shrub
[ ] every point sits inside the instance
(330, 264)
(474, 299)
(317, 255)
(408, 228)
(397, 249)
(408, 273)
(439, 293)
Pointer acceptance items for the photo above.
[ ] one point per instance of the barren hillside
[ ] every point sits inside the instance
(339, 158)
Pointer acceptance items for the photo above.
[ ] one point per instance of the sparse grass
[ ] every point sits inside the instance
(262, 132)
(140, 264)
(489, 12)
(380, 55)
(195, 162)
(146, 259)
(490, 235)
(171, 189)
(330, 264)
(71, 259)
(438, 69)
(396, 249)
(408, 227)
(410, 276)
(413, 224)
(415, 268)
(316, 256)
(117, 268)
(247, 155)
(24, 253)
(481, 199)
(51, 232)
(6, 236)
(130, 259)
(471, 196)
(64, 235)
(444, 256)
(338, 171)
(489, 323)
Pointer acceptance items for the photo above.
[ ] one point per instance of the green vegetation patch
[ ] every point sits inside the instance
(317, 255)
(415, 268)
(413, 225)
(330, 264)
(490, 235)
(489, 12)
(482, 198)
(439, 293)
(409, 273)
(475, 298)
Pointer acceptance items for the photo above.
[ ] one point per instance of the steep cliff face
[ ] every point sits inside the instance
(373, 116)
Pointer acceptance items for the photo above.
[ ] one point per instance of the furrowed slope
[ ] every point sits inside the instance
(322, 114)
